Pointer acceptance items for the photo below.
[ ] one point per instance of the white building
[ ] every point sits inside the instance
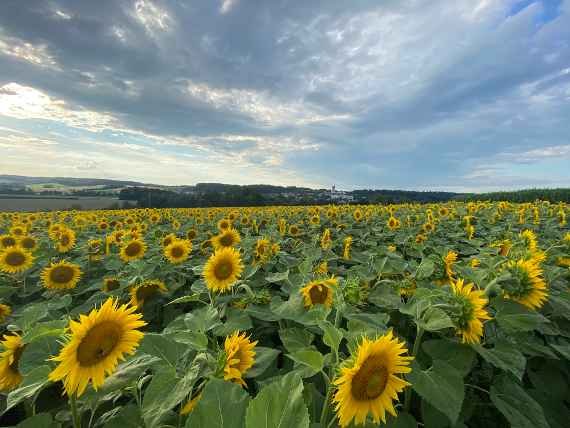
(340, 195)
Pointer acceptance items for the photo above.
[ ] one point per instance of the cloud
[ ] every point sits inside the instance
(412, 94)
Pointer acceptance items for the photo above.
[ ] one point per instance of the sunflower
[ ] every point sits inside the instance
(357, 215)
(224, 224)
(326, 241)
(471, 313)
(240, 357)
(7, 241)
(526, 285)
(347, 244)
(449, 260)
(18, 230)
(315, 220)
(226, 239)
(529, 237)
(96, 344)
(294, 230)
(319, 292)
(475, 262)
(322, 268)
(5, 311)
(61, 275)
(190, 405)
(392, 248)
(191, 234)
(443, 212)
(133, 250)
(10, 376)
(262, 250)
(178, 251)
(110, 284)
(15, 259)
(420, 237)
(205, 246)
(428, 227)
(143, 292)
(369, 383)
(223, 269)
(393, 223)
(28, 243)
(66, 240)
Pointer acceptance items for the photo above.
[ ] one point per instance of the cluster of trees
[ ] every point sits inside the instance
(402, 196)
(527, 195)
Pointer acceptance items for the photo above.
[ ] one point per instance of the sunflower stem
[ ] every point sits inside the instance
(416, 348)
(74, 413)
(325, 411)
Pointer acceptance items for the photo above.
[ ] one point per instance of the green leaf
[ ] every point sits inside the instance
(457, 355)
(278, 276)
(222, 405)
(32, 383)
(48, 328)
(425, 269)
(126, 417)
(332, 335)
(42, 420)
(403, 420)
(31, 315)
(195, 339)
(563, 350)
(505, 357)
(37, 353)
(385, 296)
(435, 319)
(235, 320)
(264, 357)
(516, 405)
(279, 405)
(514, 317)
(164, 392)
(296, 338)
(203, 319)
(442, 386)
(314, 360)
(184, 299)
(162, 347)
(377, 320)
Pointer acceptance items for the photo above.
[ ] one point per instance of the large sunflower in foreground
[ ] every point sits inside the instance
(10, 376)
(319, 292)
(144, 291)
(471, 313)
(133, 250)
(96, 344)
(223, 269)
(240, 357)
(526, 285)
(61, 275)
(369, 383)
(178, 251)
(15, 259)
(228, 238)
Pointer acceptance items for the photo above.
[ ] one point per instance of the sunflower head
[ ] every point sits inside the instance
(226, 239)
(393, 223)
(191, 234)
(178, 251)
(110, 284)
(449, 260)
(133, 250)
(294, 230)
(96, 344)
(15, 259)
(319, 292)
(240, 357)
(224, 224)
(190, 405)
(66, 240)
(428, 227)
(10, 376)
(7, 241)
(5, 311)
(468, 311)
(28, 243)
(526, 284)
(368, 383)
(61, 275)
(145, 291)
(223, 269)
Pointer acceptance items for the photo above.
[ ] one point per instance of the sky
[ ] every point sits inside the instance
(463, 95)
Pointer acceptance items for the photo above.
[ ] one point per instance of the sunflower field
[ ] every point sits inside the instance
(448, 315)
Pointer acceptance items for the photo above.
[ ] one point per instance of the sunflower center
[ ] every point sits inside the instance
(98, 343)
(226, 240)
(27, 243)
(8, 242)
(318, 294)
(133, 249)
(223, 270)
(371, 380)
(61, 274)
(15, 259)
(65, 240)
(177, 252)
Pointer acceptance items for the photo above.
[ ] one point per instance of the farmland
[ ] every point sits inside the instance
(446, 315)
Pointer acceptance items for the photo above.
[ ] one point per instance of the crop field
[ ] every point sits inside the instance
(39, 203)
(447, 315)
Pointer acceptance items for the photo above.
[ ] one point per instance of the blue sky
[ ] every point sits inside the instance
(463, 95)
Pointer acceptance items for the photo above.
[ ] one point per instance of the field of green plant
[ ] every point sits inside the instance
(449, 315)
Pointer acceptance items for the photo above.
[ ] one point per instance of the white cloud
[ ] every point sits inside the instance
(227, 5)
(36, 54)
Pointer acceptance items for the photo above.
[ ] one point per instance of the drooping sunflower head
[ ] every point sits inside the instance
(226, 239)
(15, 259)
(61, 275)
(190, 405)
(326, 241)
(449, 260)
(7, 241)
(133, 250)
(469, 311)
(223, 269)
(321, 268)
(262, 250)
(178, 251)
(145, 291)
(319, 292)
(110, 284)
(347, 245)
(526, 285)
(369, 382)
(28, 243)
(96, 344)
(10, 376)
(240, 357)
(5, 311)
